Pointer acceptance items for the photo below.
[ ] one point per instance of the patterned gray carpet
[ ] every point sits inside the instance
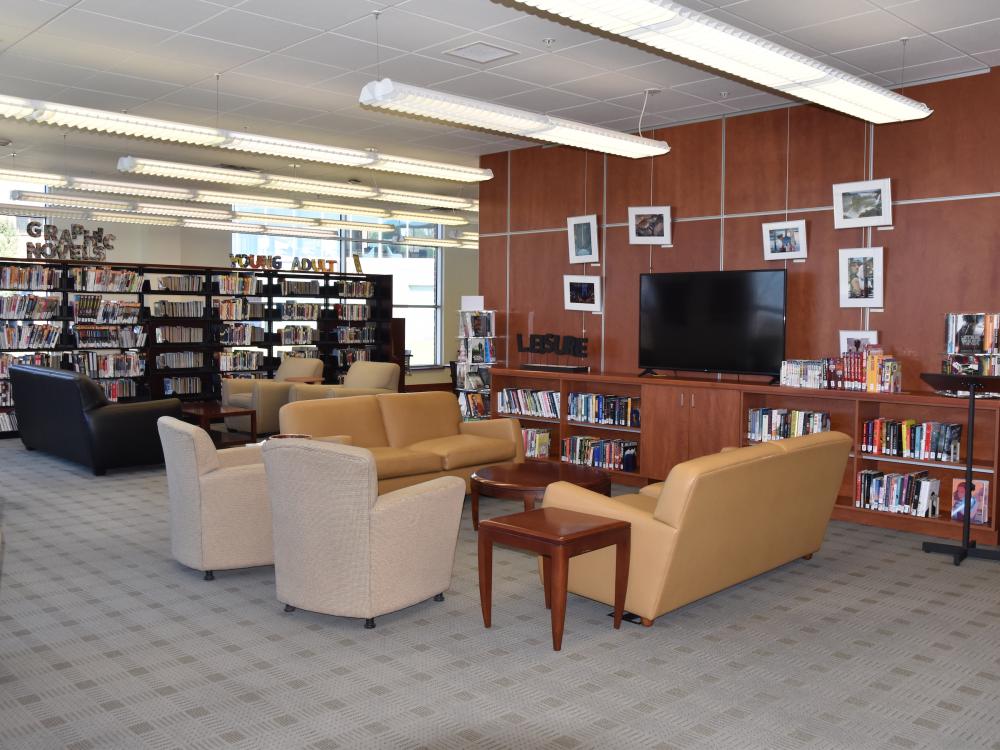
(107, 643)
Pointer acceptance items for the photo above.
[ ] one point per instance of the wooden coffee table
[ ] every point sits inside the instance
(203, 413)
(557, 535)
(527, 481)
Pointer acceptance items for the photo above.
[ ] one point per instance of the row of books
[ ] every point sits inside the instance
(181, 386)
(298, 310)
(237, 283)
(105, 365)
(354, 335)
(119, 389)
(472, 377)
(241, 359)
(100, 279)
(908, 438)
(536, 442)
(971, 364)
(240, 309)
(33, 306)
(109, 337)
(972, 333)
(6, 393)
(528, 402)
(195, 284)
(621, 455)
(598, 408)
(298, 335)
(473, 405)
(36, 336)
(766, 424)
(241, 334)
(179, 360)
(170, 309)
(477, 324)
(8, 421)
(870, 370)
(290, 288)
(352, 311)
(354, 289)
(914, 494)
(179, 335)
(477, 350)
(347, 357)
(39, 359)
(97, 309)
(28, 278)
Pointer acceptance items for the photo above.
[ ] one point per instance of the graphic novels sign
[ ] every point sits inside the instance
(75, 243)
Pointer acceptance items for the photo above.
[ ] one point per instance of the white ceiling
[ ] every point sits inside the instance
(294, 68)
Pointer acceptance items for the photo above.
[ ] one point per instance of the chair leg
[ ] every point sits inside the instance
(289, 608)
(439, 597)
(369, 623)
(646, 622)
(808, 557)
(209, 576)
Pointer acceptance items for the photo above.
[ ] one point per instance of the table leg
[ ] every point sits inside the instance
(474, 493)
(529, 501)
(547, 580)
(253, 426)
(560, 577)
(486, 576)
(621, 576)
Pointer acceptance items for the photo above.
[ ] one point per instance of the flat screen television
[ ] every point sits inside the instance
(714, 321)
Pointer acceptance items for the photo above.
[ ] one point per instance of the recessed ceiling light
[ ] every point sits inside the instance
(481, 52)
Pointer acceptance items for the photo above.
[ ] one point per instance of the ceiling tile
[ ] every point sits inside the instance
(176, 14)
(458, 12)
(220, 56)
(701, 112)
(610, 56)
(989, 58)
(918, 50)
(980, 37)
(251, 30)
(204, 98)
(875, 27)
(321, 14)
(758, 101)
(781, 15)
(595, 112)
(276, 111)
(179, 71)
(604, 86)
(344, 122)
(416, 70)
(341, 51)
(532, 31)
(929, 71)
(402, 30)
(29, 89)
(484, 86)
(664, 73)
(664, 100)
(109, 32)
(15, 63)
(934, 15)
(28, 14)
(711, 89)
(631, 124)
(543, 100)
(290, 70)
(99, 100)
(548, 70)
(141, 88)
(440, 51)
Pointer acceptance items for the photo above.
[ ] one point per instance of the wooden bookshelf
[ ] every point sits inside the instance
(683, 418)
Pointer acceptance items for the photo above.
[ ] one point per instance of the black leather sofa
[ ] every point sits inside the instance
(67, 414)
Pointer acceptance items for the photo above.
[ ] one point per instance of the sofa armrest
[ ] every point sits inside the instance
(268, 397)
(126, 434)
(500, 429)
(232, 386)
(572, 497)
(243, 455)
(652, 490)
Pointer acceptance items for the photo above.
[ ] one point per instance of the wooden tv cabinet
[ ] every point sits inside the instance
(683, 418)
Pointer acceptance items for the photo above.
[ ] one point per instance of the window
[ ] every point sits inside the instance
(13, 235)
(416, 271)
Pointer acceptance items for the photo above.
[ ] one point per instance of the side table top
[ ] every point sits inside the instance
(537, 475)
(553, 524)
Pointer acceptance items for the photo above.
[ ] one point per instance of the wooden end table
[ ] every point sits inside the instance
(527, 481)
(557, 535)
(203, 413)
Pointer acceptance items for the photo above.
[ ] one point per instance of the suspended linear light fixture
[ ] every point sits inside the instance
(461, 110)
(685, 33)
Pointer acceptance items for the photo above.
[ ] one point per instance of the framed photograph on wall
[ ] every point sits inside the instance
(582, 293)
(862, 204)
(582, 234)
(862, 278)
(856, 341)
(785, 240)
(649, 225)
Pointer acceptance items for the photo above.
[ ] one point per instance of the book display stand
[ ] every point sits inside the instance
(973, 384)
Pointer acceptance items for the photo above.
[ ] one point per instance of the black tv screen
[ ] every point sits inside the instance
(715, 321)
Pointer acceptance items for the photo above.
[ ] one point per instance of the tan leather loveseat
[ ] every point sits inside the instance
(413, 436)
(362, 379)
(716, 521)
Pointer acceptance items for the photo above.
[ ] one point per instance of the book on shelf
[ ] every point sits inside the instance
(119, 388)
(30, 336)
(28, 306)
(298, 310)
(6, 393)
(309, 352)
(972, 333)
(29, 278)
(528, 402)
(109, 336)
(297, 335)
(8, 421)
(109, 365)
(94, 308)
(241, 359)
(237, 283)
(102, 279)
(980, 500)
(39, 359)
(907, 438)
(181, 386)
(189, 309)
(477, 323)
(473, 405)
(914, 493)
(476, 351)
(766, 424)
(870, 370)
(347, 357)
(186, 283)
(598, 408)
(238, 308)
(179, 335)
(352, 311)
(290, 288)
(241, 334)
(536, 442)
(179, 360)
(354, 334)
(617, 454)
(351, 289)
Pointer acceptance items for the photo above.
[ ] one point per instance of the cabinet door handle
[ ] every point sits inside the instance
(682, 399)
(692, 400)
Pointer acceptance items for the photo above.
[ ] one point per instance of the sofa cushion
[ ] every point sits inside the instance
(400, 462)
(357, 416)
(458, 451)
(240, 400)
(412, 417)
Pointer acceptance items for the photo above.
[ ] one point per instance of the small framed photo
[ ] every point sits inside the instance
(582, 232)
(856, 341)
(862, 204)
(582, 293)
(785, 240)
(649, 225)
(862, 278)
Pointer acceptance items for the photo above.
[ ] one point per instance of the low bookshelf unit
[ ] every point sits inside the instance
(682, 418)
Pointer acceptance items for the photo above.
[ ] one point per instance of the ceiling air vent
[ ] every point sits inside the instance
(481, 52)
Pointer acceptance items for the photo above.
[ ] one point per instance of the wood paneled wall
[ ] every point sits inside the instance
(940, 256)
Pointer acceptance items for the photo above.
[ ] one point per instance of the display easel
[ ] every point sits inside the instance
(973, 384)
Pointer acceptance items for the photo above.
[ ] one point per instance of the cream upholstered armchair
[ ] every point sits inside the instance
(362, 379)
(266, 396)
(220, 517)
(340, 548)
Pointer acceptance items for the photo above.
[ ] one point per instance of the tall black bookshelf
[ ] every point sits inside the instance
(237, 322)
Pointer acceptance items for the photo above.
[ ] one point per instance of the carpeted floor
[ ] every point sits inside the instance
(105, 642)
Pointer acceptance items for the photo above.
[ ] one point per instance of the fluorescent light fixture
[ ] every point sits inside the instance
(343, 208)
(138, 126)
(359, 226)
(36, 178)
(436, 105)
(130, 218)
(124, 188)
(267, 181)
(448, 220)
(73, 201)
(682, 32)
(102, 203)
(429, 242)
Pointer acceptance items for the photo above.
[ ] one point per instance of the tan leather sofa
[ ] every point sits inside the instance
(266, 396)
(716, 521)
(362, 379)
(413, 436)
